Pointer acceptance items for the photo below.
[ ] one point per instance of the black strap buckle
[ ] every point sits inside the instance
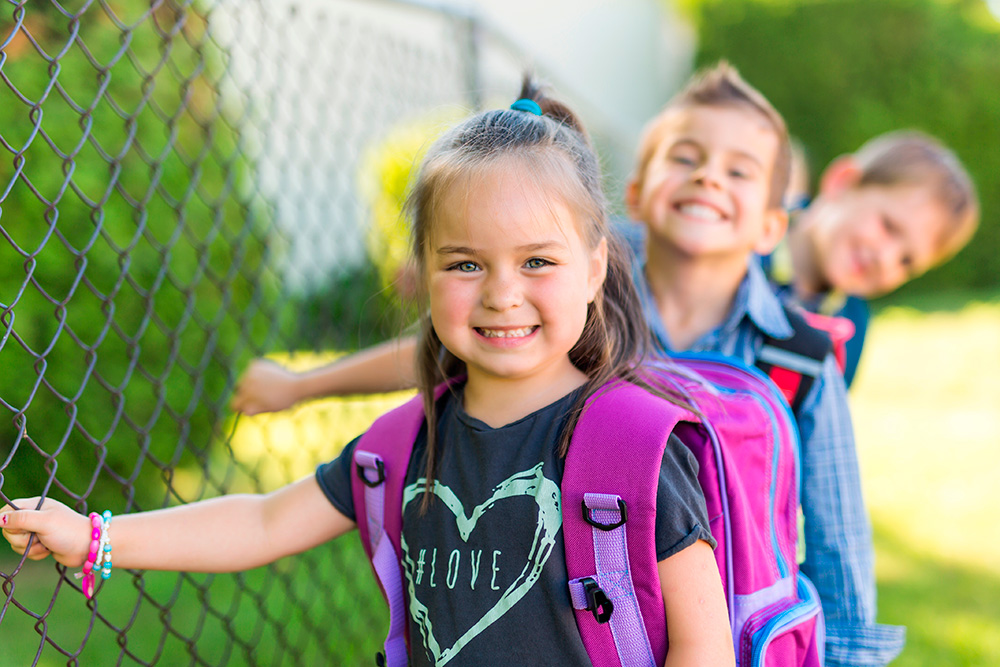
(623, 516)
(598, 602)
(379, 468)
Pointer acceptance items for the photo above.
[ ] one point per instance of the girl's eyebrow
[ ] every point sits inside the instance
(529, 247)
(455, 250)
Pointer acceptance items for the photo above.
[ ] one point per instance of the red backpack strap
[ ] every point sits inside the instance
(839, 329)
(794, 363)
(609, 523)
(381, 459)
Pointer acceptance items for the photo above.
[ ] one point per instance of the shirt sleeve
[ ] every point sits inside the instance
(334, 478)
(838, 535)
(681, 515)
(856, 310)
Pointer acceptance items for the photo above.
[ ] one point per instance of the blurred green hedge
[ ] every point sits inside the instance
(140, 267)
(131, 235)
(843, 71)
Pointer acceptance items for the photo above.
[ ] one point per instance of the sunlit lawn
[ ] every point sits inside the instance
(926, 407)
(301, 611)
(927, 414)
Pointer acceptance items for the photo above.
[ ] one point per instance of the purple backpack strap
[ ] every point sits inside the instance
(609, 524)
(381, 459)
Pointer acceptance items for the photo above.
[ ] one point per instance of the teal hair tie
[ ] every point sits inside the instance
(524, 104)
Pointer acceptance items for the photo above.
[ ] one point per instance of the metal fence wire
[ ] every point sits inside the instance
(185, 186)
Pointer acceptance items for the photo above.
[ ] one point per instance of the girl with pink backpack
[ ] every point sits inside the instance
(532, 322)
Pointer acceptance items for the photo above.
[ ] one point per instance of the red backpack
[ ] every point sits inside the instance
(747, 447)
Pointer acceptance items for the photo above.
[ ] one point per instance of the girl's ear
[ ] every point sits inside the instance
(775, 226)
(598, 269)
(842, 174)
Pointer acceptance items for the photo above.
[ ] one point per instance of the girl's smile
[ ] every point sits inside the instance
(499, 336)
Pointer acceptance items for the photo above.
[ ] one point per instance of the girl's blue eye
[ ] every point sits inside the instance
(536, 263)
(466, 267)
(738, 173)
(682, 159)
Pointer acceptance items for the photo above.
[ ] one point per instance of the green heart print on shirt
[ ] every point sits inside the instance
(528, 483)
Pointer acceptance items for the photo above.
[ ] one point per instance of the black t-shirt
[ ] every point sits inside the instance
(485, 565)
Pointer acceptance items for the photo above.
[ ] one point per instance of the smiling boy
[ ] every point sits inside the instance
(900, 205)
(707, 191)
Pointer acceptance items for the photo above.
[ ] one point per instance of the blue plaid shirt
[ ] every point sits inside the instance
(839, 556)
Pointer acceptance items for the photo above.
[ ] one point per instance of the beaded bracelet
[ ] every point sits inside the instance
(87, 573)
(99, 555)
(106, 544)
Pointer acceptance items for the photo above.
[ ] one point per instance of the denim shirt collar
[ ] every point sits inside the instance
(754, 301)
(757, 301)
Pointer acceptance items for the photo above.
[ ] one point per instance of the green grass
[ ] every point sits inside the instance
(299, 611)
(927, 415)
(926, 407)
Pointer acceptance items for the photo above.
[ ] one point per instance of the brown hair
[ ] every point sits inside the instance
(722, 86)
(909, 157)
(552, 148)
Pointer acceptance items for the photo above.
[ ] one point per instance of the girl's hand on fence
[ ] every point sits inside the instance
(57, 530)
(265, 387)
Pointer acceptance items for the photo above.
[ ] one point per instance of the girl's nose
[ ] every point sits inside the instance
(502, 292)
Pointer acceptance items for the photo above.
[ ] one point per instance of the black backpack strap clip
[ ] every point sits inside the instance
(793, 364)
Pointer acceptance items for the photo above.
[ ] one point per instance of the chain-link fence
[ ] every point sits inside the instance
(185, 186)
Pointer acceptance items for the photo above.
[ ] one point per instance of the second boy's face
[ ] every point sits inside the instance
(706, 189)
(510, 278)
(870, 240)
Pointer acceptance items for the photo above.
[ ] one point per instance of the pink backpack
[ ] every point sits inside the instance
(747, 446)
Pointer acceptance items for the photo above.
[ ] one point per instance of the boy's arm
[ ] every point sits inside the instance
(225, 534)
(269, 387)
(838, 536)
(697, 618)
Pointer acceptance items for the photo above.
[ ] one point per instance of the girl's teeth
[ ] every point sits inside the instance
(506, 333)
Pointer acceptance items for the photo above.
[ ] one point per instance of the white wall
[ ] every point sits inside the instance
(622, 58)
(317, 82)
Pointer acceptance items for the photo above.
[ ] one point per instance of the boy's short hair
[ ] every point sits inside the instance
(909, 157)
(722, 86)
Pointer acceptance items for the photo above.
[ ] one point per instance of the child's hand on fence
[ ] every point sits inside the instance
(265, 387)
(57, 529)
